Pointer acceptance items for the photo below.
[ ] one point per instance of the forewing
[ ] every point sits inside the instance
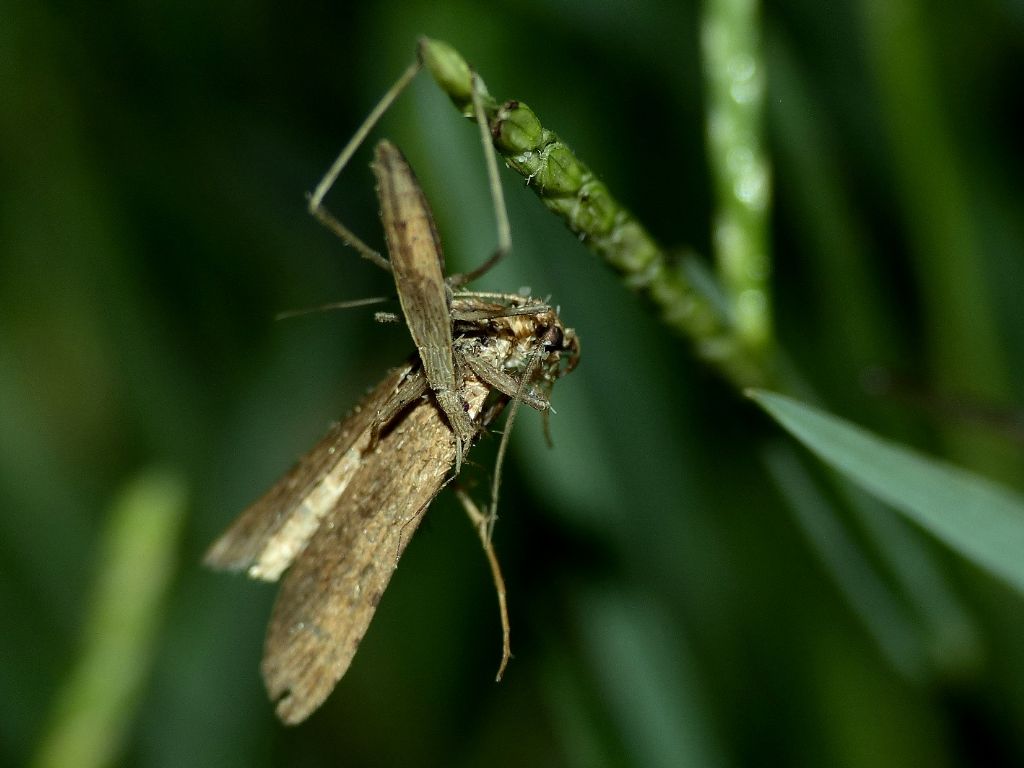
(417, 262)
(329, 595)
(281, 520)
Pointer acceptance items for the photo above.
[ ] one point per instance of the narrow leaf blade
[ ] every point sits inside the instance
(978, 518)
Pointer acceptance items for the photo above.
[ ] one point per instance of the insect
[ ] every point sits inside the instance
(337, 523)
(415, 250)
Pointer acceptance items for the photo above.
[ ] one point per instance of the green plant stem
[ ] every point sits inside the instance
(734, 73)
(568, 188)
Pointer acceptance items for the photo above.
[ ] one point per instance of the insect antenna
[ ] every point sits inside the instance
(330, 306)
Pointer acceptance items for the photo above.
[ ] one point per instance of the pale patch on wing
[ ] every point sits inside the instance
(268, 535)
(281, 549)
(331, 592)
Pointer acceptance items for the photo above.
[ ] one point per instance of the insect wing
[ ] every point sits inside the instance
(416, 260)
(267, 536)
(418, 267)
(329, 595)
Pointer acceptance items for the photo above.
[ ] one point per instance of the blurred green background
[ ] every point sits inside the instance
(685, 587)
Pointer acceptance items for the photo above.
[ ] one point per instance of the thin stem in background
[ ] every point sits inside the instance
(734, 73)
(93, 711)
(943, 234)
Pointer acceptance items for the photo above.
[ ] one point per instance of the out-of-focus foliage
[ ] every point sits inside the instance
(685, 586)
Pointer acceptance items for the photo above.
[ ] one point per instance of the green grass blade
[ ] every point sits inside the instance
(649, 678)
(981, 520)
(884, 617)
(953, 639)
(93, 710)
(930, 160)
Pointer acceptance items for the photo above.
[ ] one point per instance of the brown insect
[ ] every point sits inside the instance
(337, 523)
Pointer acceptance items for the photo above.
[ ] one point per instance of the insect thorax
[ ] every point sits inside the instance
(514, 334)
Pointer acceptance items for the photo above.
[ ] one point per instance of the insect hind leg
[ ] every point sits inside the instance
(497, 195)
(316, 199)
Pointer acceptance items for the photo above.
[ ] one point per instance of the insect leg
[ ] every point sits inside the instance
(501, 381)
(412, 388)
(480, 522)
(497, 195)
(316, 207)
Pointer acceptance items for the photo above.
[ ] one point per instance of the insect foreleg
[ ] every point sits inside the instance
(499, 380)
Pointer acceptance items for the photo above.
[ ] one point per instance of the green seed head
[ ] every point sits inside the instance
(516, 128)
(449, 69)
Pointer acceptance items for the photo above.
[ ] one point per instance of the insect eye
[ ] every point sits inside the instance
(553, 339)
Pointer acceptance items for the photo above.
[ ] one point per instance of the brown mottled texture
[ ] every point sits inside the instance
(330, 594)
(418, 266)
(243, 544)
(341, 518)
